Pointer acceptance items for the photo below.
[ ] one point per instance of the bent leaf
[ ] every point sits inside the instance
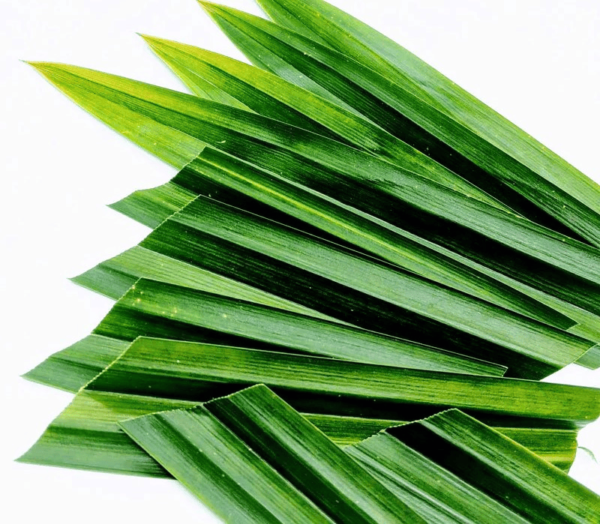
(331, 26)
(243, 246)
(452, 468)
(496, 477)
(252, 458)
(86, 435)
(75, 366)
(199, 372)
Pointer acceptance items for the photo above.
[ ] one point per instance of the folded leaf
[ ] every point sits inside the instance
(452, 468)
(374, 97)
(331, 26)
(373, 295)
(199, 372)
(153, 206)
(86, 435)
(252, 458)
(535, 255)
(448, 468)
(73, 367)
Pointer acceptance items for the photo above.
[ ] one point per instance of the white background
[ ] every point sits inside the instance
(536, 61)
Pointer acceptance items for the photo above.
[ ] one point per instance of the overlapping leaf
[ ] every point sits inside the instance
(318, 274)
(86, 435)
(449, 466)
(370, 95)
(200, 178)
(276, 448)
(326, 24)
(228, 180)
(535, 255)
(252, 458)
(158, 309)
(198, 372)
(359, 234)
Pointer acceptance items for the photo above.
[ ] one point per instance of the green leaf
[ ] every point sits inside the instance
(197, 179)
(356, 40)
(73, 367)
(220, 124)
(246, 247)
(234, 93)
(252, 458)
(548, 261)
(86, 435)
(373, 97)
(263, 326)
(199, 372)
(163, 310)
(271, 96)
(449, 466)
(347, 225)
(115, 276)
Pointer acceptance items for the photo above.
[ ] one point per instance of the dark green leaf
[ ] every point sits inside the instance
(451, 465)
(354, 39)
(199, 372)
(252, 458)
(310, 272)
(86, 435)
(543, 259)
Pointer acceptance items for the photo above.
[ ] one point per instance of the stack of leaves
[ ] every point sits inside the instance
(386, 264)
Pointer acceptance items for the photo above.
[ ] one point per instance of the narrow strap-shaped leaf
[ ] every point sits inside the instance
(314, 213)
(75, 366)
(333, 27)
(292, 331)
(156, 203)
(164, 310)
(205, 225)
(262, 90)
(543, 259)
(388, 105)
(115, 276)
(233, 93)
(204, 89)
(483, 459)
(190, 371)
(222, 123)
(86, 435)
(348, 225)
(253, 458)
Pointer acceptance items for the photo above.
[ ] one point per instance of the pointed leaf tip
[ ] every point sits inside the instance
(209, 7)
